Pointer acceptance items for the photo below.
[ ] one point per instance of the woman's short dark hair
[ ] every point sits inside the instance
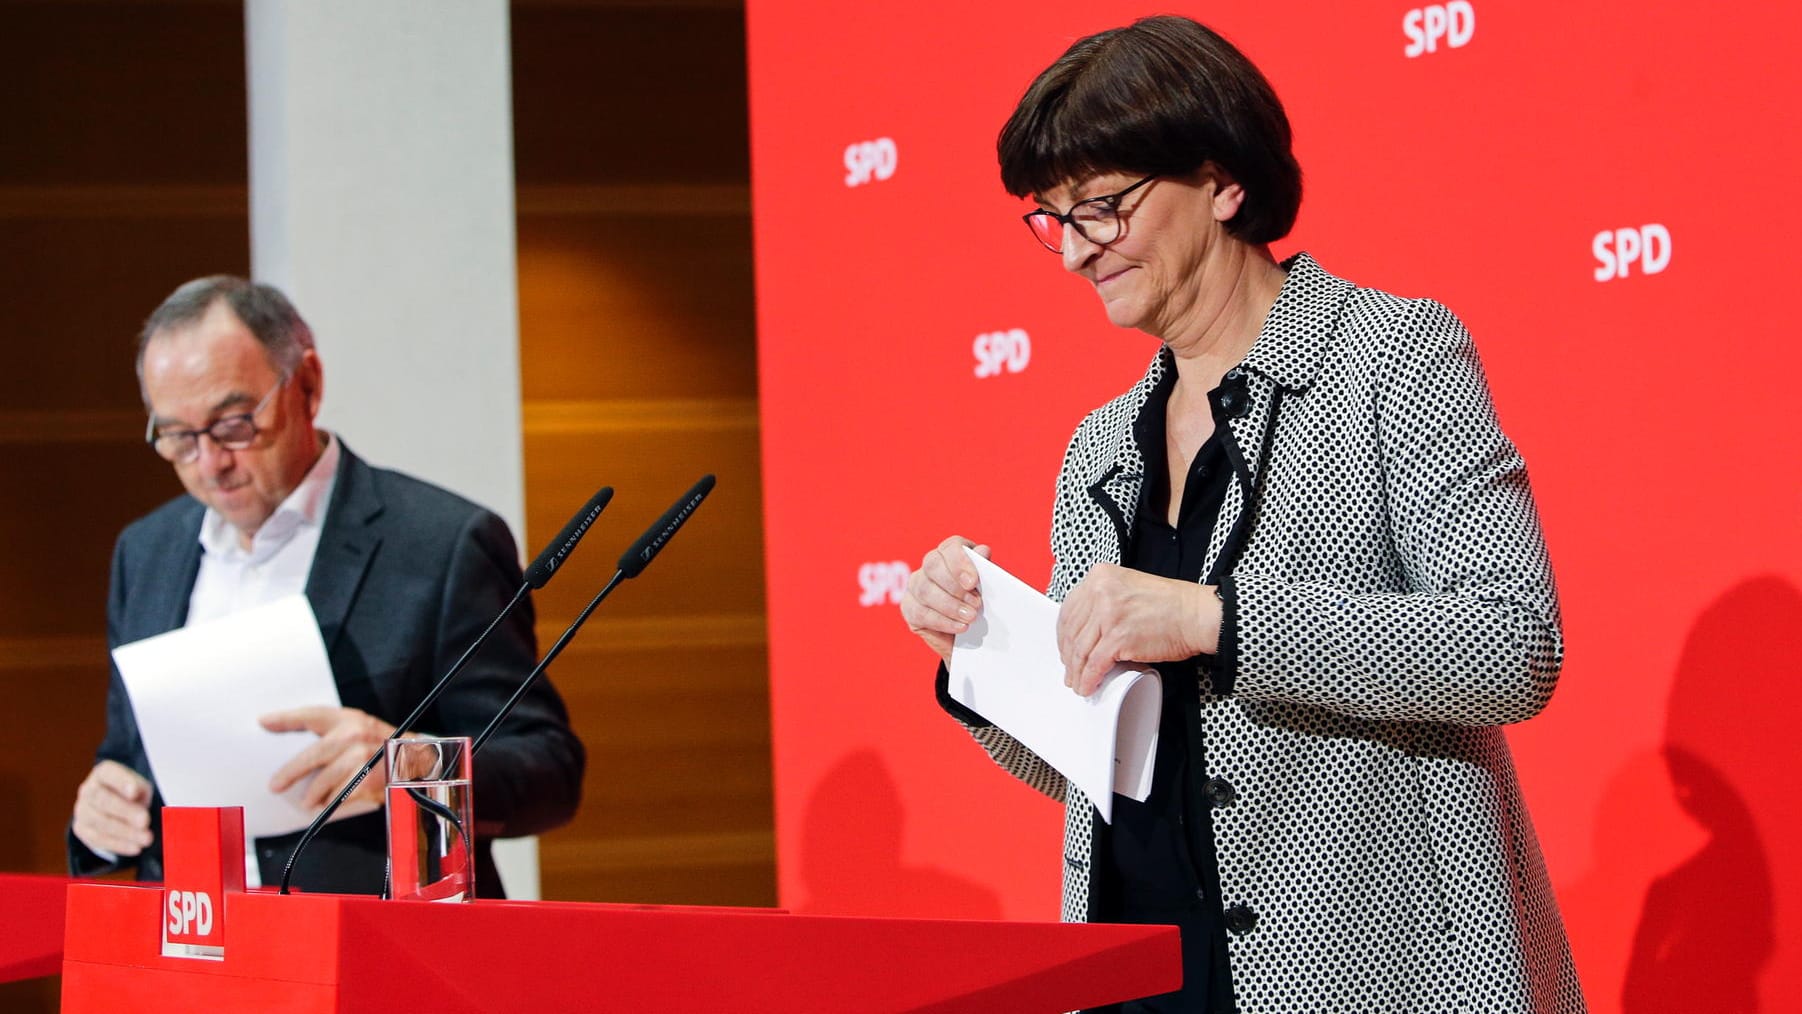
(1160, 96)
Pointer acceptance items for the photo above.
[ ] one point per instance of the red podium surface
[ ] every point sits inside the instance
(336, 953)
(31, 934)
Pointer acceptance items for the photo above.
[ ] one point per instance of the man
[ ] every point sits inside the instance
(401, 576)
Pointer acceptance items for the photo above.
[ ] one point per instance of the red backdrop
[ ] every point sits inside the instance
(923, 363)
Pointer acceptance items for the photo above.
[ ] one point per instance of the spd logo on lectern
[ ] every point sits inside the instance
(190, 914)
(203, 863)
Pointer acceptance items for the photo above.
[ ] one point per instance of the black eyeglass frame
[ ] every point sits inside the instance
(1068, 219)
(190, 438)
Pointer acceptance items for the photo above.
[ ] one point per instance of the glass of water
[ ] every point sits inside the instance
(431, 820)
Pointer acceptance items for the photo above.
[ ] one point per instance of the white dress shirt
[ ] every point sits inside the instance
(280, 556)
(275, 566)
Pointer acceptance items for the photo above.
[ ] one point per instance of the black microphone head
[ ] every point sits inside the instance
(640, 553)
(539, 573)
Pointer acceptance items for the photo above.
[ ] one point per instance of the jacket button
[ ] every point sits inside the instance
(1240, 919)
(1219, 791)
(1234, 403)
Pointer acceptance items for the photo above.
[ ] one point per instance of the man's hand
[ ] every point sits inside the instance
(112, 810)
(1119, 615)
(347, 737)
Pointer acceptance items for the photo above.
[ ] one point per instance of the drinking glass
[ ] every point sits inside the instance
(431, 820)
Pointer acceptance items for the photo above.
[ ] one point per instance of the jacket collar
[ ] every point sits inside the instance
(347, 544)
(1295, 334)
(1285, 357)
(1117, 457)
(1288, 352)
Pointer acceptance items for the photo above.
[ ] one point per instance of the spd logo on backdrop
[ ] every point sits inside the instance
(870, 161)
(1426, 27)
(882, 583)
(998, 351)
(1617, 249)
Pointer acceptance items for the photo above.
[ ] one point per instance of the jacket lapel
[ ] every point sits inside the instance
(1283, 361)
(1116, 473)
(1250, 402)
(1117, 494)
(347, 543)
(173, 586)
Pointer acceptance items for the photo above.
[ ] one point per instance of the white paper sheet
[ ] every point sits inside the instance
(197, 692)
(1006, 669)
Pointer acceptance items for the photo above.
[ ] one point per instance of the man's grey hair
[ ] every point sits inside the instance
(263, 309)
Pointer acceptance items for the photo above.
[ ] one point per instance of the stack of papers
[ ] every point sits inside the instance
(197, 692)
(1006, 669)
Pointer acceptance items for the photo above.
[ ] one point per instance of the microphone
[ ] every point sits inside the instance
(543, 567)
(638, 555)
(631, 563)
(554, 554)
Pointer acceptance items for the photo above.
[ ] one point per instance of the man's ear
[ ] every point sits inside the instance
(310, 375)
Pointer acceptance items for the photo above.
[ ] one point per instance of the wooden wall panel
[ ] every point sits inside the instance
(73, 497)
(677, 802)
(715, 565)
(101, 93)
(670, 872)
(638, 363)
(81, 275)
(630, 93)
(668, 685)
(31, 995)
(679, 756)
(636, 307)
(41, 763)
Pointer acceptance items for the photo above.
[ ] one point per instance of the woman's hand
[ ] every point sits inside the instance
(1115, 614)
(942, 598)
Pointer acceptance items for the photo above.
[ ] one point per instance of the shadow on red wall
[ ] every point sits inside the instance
(1705, 940)
(851, 853)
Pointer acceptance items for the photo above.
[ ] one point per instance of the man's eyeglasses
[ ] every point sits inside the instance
(232, 432)
(1096, 220)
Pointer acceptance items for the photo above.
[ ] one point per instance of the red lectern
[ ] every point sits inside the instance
(31, 934)
(335, 953)
(200, 942)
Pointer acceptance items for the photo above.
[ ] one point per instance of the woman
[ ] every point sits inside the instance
(1306, 515)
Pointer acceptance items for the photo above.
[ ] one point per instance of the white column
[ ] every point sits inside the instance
(381, 182)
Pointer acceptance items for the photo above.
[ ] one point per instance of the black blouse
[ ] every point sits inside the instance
(1160, 865)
